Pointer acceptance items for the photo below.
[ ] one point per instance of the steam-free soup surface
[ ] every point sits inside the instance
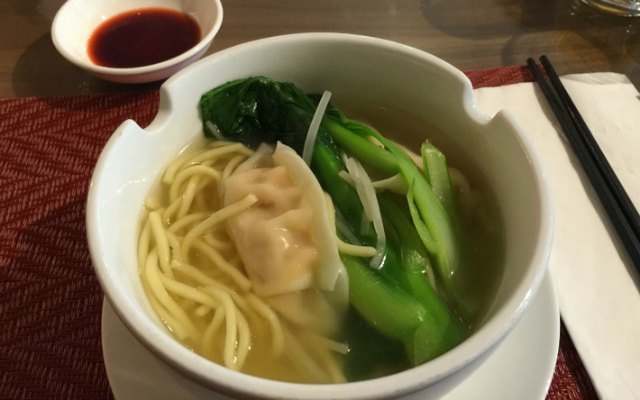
(481, 222)
(356, 351)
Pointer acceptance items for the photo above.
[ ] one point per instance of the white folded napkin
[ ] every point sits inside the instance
(597, 286)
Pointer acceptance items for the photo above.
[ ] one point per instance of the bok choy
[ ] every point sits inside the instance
(406, 300)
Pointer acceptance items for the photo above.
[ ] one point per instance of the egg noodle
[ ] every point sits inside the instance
(195, 280)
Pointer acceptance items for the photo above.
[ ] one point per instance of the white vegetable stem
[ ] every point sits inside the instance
(312, 133)
(367, 194)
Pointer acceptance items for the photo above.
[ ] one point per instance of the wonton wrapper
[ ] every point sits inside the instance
(285, 240)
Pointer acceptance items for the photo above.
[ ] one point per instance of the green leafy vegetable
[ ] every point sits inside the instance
(401, 300)
(437, 173)
(427, 330)
(255, 110)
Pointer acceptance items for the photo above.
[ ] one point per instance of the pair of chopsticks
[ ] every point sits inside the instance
(610, 191)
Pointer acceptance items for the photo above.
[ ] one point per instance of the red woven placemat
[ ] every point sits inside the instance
(50, 300)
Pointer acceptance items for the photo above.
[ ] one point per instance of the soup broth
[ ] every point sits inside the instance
(275, 348)
(480, 224)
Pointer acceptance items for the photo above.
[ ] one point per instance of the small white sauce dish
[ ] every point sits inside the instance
(77, 20)
(381, 72)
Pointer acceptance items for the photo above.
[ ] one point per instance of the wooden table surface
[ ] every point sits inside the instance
(468, 34)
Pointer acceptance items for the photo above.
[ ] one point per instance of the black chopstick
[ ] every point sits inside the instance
(606, 184)
(596, 153)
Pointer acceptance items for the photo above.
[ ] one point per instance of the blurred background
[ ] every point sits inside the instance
(470, 34)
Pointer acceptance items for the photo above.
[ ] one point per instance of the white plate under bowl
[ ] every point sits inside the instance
(520, 368)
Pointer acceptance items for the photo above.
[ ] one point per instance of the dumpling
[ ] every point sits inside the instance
(285, 239)
(273, 236)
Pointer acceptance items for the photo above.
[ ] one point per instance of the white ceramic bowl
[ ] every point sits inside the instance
(382, 72)
(76, 21)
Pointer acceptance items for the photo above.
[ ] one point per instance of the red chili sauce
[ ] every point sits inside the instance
(142, 37)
